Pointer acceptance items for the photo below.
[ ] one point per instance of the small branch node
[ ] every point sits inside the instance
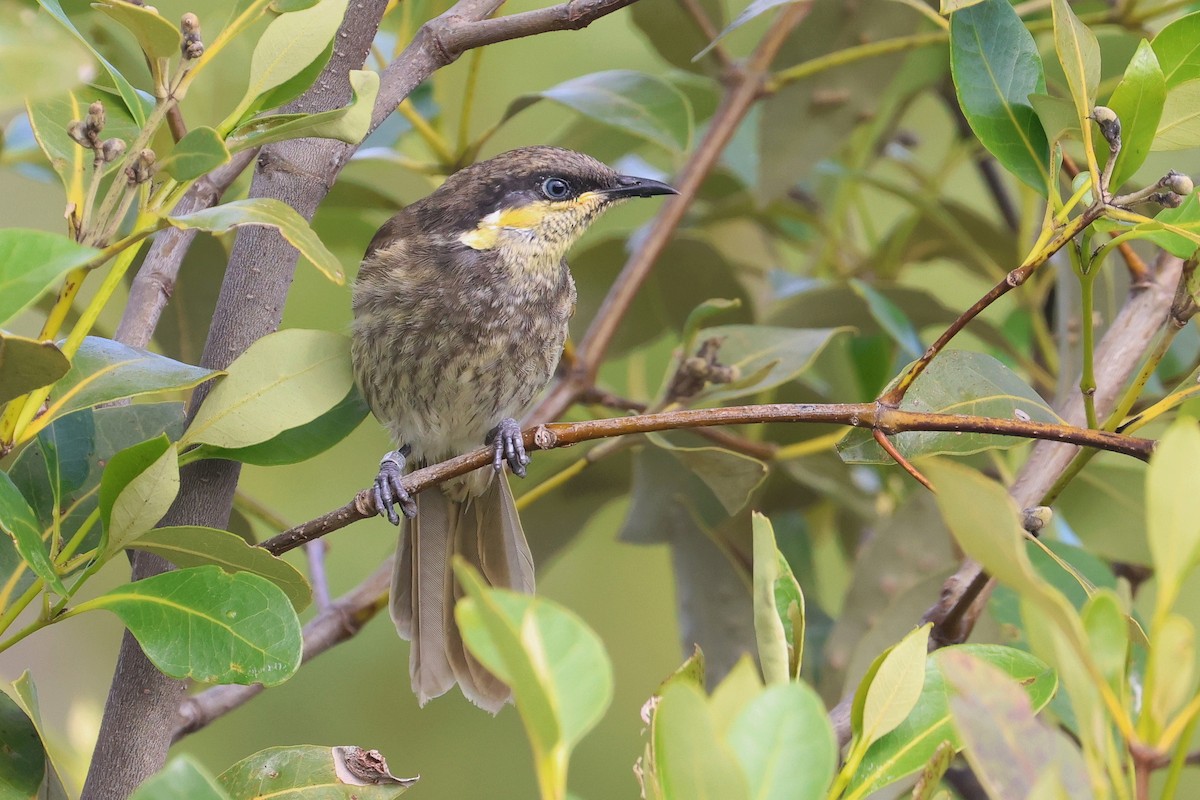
(544, 438)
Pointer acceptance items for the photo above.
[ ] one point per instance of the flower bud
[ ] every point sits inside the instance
(112, 149)
(78, 133)
(1178, 183)
(1110, 125)
(95, 119)
(142, 168)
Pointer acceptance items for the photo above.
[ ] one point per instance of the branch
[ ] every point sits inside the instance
(155, 280)
(342, 620)
(443, 39)
(861, 415)
(740, 95)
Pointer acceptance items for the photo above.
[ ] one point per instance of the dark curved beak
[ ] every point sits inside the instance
(629, 186)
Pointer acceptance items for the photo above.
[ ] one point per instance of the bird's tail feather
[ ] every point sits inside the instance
(487, 532)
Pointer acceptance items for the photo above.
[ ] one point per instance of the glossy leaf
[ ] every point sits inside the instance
(1179, 127)
(909, 747)
(22, 757)
(158, 37)
(305, 772)
(283, 381)
(195, 546)
(134, 102)
(28, 364)
(33, 261)
(273, 214)
(1176, 230)
(674, 34)
(59, 474)
(1007, 747)
(1178, 49)
(347, 124)
(890, 318)
(181, 779)
(731, 477)
(785, 744)
(209, 626)
(1107, 629)
(556, 666)
(764, 356)
(23, 693)
(290, 44)
(768, 627)
(691, 761)
(104, 370)
(138, 487)
(956, 382)
(1058, 118)
(1138, 103)
(300, 443)
(1079, 54)
(38, 59)
(200, 151)
(996, 66)
(636, 103)
(1170, 668)
(18, 521)
(1173, 528)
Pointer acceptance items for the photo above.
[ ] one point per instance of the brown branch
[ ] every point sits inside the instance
(155, 280)
(342, 620)
(860, 415)
(739, 96)
(709, 31)
(883, 441)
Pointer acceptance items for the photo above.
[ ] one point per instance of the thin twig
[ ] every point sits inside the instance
(860, 415)
(889, 448)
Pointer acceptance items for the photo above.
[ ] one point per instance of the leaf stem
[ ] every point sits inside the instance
(468, 103)
(1087, 312)
(12, 612)
(839, 58)
(431, 137)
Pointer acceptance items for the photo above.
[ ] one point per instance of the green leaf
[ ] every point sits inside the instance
(157, 37)
(732, 477)
(18, 521)
(136, 106)
(674, 34)
(909, 747)
(200, 151)
(956, 382)
(764, 356)
(1173, 528)
(59, 474)
(1170, 669)
(138, 487)
(104, 370)
(24, 695)
(889, 316)
(33, 261)
(283, 381)
(643, 105)
(209, 626)
(768, 626)
(553, 662)
(1178, 49)
(1107, 629)
(1138, 103)
(996, 66)
(1058, 118)
(290, 44)
(895, 687)
(1179, 127)
(195, 546)
(1176, 230)
(38, 59)
(22, 757)
(785, 744)
(348, 124)
(27, 364)
(1007, 747)
(274, 214)
(307, 772)
(691, 761)
(181, 779)
(300, 443)
(1079, 55)
(754, 9)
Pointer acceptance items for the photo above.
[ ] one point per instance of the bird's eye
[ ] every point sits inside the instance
(556, 188)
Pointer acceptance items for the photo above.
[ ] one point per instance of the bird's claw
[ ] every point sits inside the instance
(508, 445)
(389, 488)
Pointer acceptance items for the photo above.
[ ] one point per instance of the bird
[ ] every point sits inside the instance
(461, 307)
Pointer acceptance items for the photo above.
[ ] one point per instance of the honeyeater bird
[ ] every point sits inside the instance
(460, 314)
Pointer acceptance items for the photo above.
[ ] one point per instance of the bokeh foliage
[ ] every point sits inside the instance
(899, 161)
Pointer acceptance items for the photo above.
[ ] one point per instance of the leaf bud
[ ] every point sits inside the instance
(1178, 183)
(142, 168)
(95, 119)
(112, 149)
(78, 133)
(1167, 199)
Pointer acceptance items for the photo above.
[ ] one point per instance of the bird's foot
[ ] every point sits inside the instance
(508, 446)
(389, 487)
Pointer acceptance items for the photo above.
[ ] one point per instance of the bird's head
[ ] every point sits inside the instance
(533, 202)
